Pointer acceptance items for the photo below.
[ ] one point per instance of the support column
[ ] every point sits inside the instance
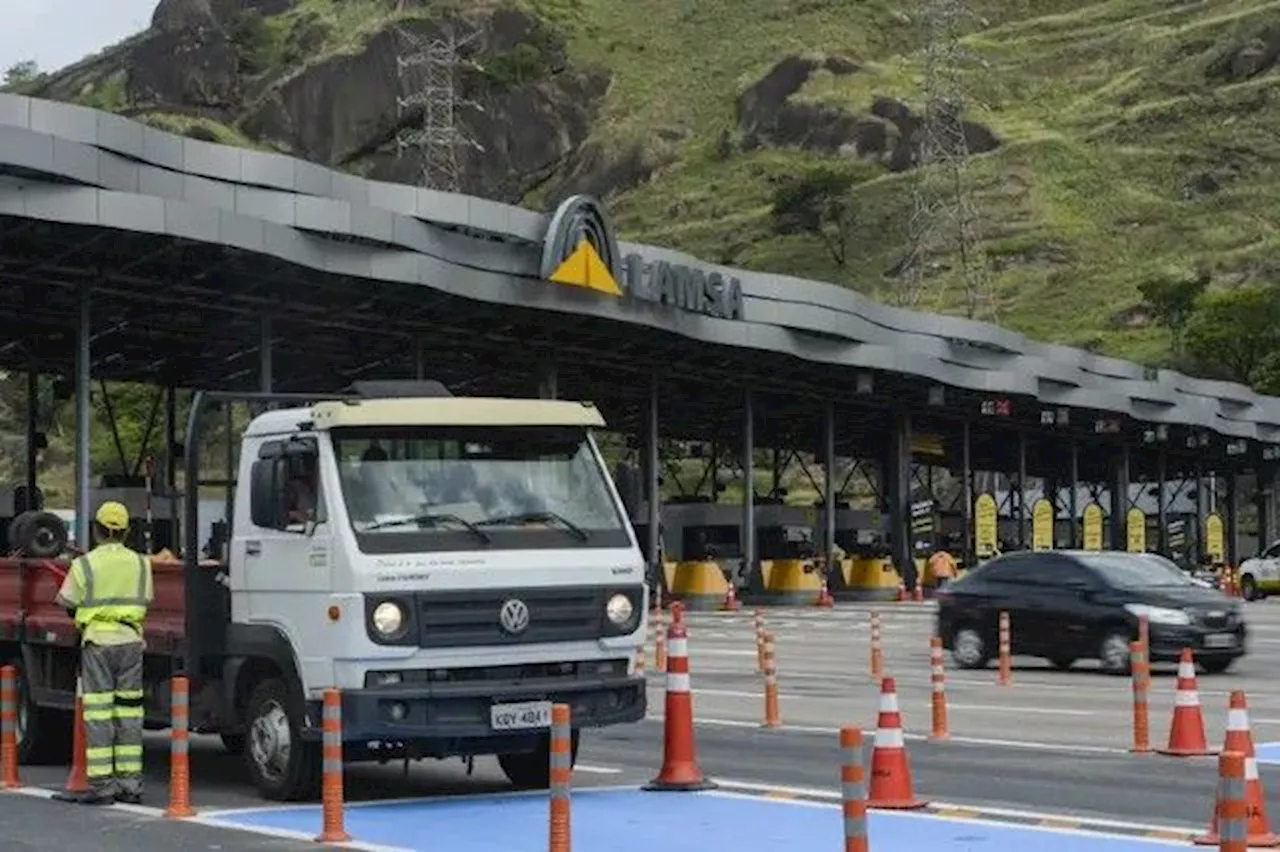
(1265, 487)
(84, 413)
(33, 437)
(749, 567)
(419, 360)
(1073, 499)
(1162, 503)
(1022, 490)
(967, 498)
(1232, 510)
(653, 488)
(171, 465)
(829, 454)
(265, 378)
(898, 489)
(548, 380)
(1200, 503)
(1120, 500)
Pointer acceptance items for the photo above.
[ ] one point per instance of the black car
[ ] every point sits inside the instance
(1069, 605)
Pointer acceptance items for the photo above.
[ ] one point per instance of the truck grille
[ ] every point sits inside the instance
(469, 618)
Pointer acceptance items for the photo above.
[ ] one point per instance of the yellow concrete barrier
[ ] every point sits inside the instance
(699, 585)
(787, 581)
(867, 579)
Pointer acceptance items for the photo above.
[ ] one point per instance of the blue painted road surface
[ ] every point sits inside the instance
(629, 820)
(1268, 752)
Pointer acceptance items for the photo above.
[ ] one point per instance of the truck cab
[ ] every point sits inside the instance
(453, 565)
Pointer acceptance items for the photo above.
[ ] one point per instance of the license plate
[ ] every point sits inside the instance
(1220, 640)
(521, 716)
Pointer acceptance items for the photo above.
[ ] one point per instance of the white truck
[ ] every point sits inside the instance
(453, 565)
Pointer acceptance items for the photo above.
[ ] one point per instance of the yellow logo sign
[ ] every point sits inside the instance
(584, 268)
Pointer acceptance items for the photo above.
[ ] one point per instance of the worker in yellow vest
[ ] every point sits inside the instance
(107, 592)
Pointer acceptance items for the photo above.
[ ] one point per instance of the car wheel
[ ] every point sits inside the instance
(1217, 665)
(969, 649)
(1249, 588)
(1113, 654)
(1062, 663)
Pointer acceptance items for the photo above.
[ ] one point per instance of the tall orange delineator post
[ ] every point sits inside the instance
(333, 827)
(758, 619)
(659, 642)
(772, 714)
(179, 749)
(938, 681)
(1230, 807)
(561, 776)
(853, 790)
(680, 770)
(1239, 740)
(1141, 676)
(78, 776)
(877, 648)
(1004, 676)
(9, 728)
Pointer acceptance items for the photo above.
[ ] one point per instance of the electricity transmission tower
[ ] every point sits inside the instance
(944, 217)
(428, 77)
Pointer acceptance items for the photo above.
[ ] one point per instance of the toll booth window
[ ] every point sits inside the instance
(397, 480)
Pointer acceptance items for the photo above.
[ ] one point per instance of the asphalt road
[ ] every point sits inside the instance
(1053, 742)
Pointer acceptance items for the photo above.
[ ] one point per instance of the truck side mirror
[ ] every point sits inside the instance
(264, 494)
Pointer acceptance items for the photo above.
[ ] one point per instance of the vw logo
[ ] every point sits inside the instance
(514, 616)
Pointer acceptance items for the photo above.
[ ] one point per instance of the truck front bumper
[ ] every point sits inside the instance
(461, 711)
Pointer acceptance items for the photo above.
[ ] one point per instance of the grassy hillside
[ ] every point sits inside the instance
(1108, 111)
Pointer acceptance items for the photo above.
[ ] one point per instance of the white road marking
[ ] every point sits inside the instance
(596, 770)
(991, 708)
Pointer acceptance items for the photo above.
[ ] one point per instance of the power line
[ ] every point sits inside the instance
(428, 110)
(944, 218)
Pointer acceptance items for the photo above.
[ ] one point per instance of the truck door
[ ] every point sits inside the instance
(281, 552)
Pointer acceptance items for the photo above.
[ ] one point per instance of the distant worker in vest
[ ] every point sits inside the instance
(107, 592)
(942, 566)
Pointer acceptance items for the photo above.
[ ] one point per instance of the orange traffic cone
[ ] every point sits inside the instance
(1186, 733)
(680, 770)
(77, 778)
(902, 590)
(824, 596)
(1240, 740)
(890, 772)
(730, 603)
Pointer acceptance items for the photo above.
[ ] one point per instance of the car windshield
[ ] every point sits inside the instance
(474, 480)
(1136, 570)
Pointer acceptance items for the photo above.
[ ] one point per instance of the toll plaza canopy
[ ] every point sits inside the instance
(198, 258)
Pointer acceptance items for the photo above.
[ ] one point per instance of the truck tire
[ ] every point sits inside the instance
(44, 733)
(532, 770)
(283, 766)
(233, 743)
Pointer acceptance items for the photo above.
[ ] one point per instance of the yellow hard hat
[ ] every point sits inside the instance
(113, 516)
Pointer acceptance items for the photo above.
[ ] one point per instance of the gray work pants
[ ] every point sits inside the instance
(111, 682)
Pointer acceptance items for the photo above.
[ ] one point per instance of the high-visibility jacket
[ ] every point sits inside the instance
(110, 586)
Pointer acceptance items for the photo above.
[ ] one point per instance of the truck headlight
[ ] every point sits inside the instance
(388, 618)
(1159, 614)
(619, 610)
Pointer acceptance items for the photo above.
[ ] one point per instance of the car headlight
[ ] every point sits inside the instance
(619, 610)
(388, 618)
(1159, 614)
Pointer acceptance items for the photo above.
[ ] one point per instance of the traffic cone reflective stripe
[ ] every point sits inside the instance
(730, 603)
(1239, 740)
(890, 771)
(680, 769)
(1186, 732)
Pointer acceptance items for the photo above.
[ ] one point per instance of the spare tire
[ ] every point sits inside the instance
(17, 530)
(42, 535)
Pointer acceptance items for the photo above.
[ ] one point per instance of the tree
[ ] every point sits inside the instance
(1232, 334)
(1171, 300)
(23, 72)
(818, 203)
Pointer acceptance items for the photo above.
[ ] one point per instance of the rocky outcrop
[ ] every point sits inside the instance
(769, 114)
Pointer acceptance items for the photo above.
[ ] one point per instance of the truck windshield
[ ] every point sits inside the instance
(453, 488)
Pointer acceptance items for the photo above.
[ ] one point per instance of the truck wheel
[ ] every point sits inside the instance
(44, 733)
(532, 770)
(283, 766)
(233, 743)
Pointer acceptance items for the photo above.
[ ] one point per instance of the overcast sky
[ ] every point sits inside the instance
(56, 33)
